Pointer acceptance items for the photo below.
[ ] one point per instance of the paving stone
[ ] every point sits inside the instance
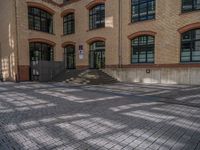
(39, 116)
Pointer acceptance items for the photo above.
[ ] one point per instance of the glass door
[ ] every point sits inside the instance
(69, 57)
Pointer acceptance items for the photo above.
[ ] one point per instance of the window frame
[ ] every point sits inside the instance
(139, 47)
(189, 10)
(92, 15)
(192, 43)
(69, 21)
(147, 11)
(48, 19)
(42, 45)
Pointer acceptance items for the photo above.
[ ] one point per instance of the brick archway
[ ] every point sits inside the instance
(140, 33)
(42, 41)
(96, 39)
(189, 27)
(94, 2)
(41, 6)
(67, 11)
(68, 43)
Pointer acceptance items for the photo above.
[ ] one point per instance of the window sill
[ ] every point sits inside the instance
(176, 65)
(32, 30)
(63, 35)
(189, 12)
(143, 21)
(95, 29)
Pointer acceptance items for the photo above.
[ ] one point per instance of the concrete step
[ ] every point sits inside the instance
(86, 76)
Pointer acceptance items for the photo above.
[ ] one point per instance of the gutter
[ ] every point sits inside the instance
(120, 35)
(17, 78)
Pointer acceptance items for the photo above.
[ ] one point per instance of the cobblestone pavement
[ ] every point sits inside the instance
(41, 116)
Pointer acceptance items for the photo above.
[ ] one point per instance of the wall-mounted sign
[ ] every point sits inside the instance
(81, 52)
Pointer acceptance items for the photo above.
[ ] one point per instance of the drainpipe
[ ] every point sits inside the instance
(120, 35)
(17, 78)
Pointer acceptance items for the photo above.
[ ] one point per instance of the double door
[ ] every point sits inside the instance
(97, 59)
(69, 57)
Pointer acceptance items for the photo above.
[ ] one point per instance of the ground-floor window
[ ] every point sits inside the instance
(69, 57)
(97, 55)
(190, 46)
(142, 48)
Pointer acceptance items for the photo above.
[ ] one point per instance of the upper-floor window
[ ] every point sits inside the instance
(142, 10)
(190, 46)
(68, 24)
(142, 49)
(190, 5)
(40, 20)
(97, 17)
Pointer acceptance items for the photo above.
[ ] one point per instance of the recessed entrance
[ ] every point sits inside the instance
(39, 52)
(70, 57)
(97, 55)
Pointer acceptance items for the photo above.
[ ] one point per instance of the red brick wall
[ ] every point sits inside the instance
(24, 73)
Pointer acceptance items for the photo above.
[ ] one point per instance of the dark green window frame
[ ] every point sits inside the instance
(40, 20)
(142, 49)
(190, 46)
(69, 24)
(190, 5)
(142, 10)
(97, 17)
(41, 51)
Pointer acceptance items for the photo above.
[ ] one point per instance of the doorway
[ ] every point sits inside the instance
(69, 57)
(38, 52)
(97, 55)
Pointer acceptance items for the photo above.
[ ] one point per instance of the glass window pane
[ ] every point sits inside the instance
(197, 34)
(187, 5)
(196, 4)
(196, 55)
(197, 46)
(40, 20)
(97, 17)
(143, 52)
(187, 36)
(143, 10)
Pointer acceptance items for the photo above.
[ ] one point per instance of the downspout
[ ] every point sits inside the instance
(17, 78)
(120, 35)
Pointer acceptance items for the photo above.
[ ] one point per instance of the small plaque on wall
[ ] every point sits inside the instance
(81, 52)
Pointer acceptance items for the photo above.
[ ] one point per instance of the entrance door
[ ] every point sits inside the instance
(38, 52)
(69, 57)
(97, 59)
(97, 55)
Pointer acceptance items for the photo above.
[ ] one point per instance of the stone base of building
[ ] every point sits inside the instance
(24, 71)
(163, 75)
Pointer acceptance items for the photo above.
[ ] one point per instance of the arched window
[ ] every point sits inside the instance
(142, 49)
(190, 5)
(68, 24)
(142, 10)
(97, 55)
(97, 17)
(40, 20)
(190, 46)
(41, 51)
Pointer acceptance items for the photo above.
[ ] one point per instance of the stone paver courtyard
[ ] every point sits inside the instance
(37, 116)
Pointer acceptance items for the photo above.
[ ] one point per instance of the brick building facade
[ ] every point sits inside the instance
(151, 41)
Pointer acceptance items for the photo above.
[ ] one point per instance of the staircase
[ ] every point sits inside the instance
(87, 76)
